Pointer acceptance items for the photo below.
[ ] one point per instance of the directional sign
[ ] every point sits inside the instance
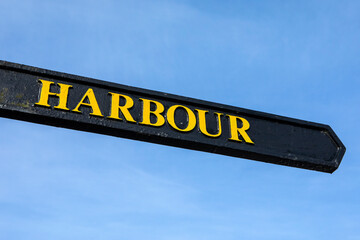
(69, 101)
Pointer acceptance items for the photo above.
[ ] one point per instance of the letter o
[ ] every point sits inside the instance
(170, 115)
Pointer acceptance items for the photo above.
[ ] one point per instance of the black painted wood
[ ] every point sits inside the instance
(277, 139)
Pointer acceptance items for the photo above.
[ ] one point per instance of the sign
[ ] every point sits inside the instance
(69, 101)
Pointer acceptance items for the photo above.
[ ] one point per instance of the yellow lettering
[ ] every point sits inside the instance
(160, 120)
(235, 131)
(170, 116)
(92, 103)
(115, 101)
(45, 93)
(202, 123)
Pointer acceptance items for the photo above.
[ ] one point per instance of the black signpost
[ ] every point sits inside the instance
(69, 101)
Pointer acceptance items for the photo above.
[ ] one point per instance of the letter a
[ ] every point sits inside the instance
(92, 103)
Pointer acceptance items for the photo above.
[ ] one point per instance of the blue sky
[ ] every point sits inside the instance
(293, 58)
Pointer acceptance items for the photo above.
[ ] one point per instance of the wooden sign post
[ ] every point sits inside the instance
(63, 100)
